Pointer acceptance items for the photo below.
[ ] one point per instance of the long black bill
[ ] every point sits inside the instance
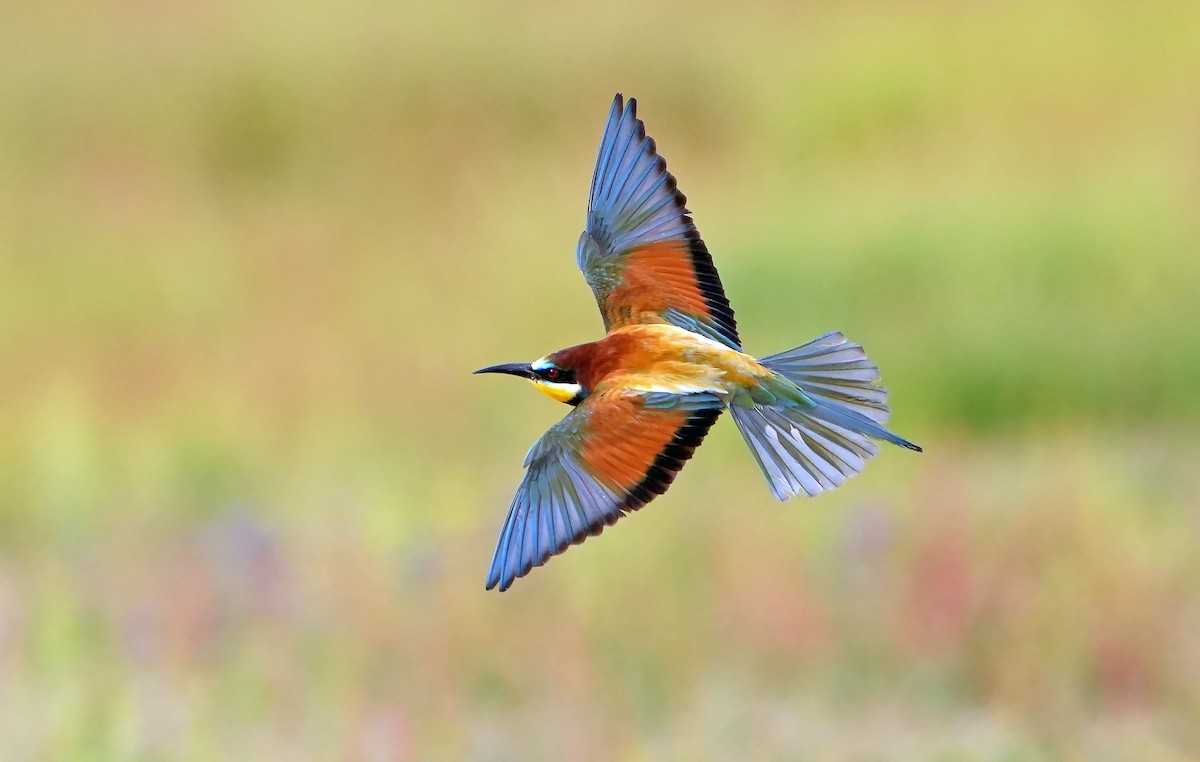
(513, 369)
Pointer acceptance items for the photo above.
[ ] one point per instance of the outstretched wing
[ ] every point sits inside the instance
(612, 454)
(640, 253)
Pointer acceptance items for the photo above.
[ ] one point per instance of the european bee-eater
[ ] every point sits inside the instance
(645, 395)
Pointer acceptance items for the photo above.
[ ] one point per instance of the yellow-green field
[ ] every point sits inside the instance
(250, 253)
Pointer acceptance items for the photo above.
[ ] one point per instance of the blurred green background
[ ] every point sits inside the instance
(251, 251)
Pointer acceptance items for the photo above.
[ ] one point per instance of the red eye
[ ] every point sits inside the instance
(551, 374)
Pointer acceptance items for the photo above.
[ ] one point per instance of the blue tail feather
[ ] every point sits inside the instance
(814, 441)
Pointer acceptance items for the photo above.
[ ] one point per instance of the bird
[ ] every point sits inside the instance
(644, 396)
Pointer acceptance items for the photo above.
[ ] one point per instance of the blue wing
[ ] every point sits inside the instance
(641, 253)
(612, 454)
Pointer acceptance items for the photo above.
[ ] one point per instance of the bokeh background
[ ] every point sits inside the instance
(251, 251)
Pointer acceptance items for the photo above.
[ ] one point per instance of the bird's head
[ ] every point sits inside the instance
(554, 379)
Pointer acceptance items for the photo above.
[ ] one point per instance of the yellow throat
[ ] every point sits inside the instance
(560, 392)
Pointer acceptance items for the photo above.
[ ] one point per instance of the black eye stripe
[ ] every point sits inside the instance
(558, 375)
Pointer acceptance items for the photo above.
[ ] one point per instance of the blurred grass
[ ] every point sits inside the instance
(249, 254)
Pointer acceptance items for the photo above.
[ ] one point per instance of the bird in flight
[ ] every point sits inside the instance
(645, 395)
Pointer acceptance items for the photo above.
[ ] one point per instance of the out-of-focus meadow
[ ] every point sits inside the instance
(250, 253)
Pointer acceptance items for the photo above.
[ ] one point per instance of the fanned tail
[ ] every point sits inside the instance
(815, 444)
(837, 371)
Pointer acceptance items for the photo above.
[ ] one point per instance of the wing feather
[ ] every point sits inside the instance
(612, 454)
(641, 253)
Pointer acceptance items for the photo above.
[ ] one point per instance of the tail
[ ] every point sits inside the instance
(814, 441)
